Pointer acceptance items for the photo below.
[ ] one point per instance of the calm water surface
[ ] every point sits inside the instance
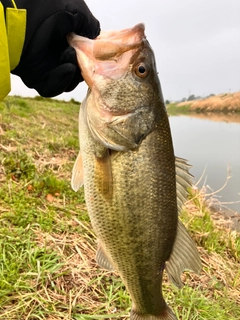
(213, 147)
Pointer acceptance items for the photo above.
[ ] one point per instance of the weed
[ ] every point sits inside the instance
(19, 165)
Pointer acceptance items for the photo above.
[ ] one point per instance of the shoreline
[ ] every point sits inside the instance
(226, 104)
(225, 217)
(221, 216)
(229, 117)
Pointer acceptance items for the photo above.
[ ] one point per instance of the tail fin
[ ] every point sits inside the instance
(167, 314)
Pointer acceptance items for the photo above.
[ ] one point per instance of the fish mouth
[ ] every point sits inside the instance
(99, 56)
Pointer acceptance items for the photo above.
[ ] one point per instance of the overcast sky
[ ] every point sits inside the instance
(196, 43)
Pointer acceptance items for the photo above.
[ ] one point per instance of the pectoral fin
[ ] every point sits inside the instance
(103, 174)
(102, 259)
(184, 256)
(77, 173)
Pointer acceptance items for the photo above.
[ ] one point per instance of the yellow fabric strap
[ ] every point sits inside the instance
(16, 29)
(5, 86)
(11, 43)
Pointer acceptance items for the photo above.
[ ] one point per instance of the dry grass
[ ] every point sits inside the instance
(81, 287)
(220, 103)
(219, 270)
(83, 283)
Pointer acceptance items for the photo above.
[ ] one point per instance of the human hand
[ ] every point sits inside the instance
(48, 64)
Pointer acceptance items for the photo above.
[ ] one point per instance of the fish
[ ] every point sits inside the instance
(134, 185)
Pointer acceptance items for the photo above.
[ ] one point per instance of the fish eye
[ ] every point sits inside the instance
(141, 70)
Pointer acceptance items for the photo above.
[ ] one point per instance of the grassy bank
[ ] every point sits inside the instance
(222, 103)
(47, 246)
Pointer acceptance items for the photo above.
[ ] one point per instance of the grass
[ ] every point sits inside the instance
(47, 246)
(173, 109)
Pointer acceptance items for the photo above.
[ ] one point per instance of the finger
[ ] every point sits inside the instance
(57, 81)
(69, 55)
(85, 24)
(75, 81)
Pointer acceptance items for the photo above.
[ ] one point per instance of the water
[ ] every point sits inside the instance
(213, 147)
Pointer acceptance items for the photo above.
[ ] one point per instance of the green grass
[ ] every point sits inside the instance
(47, 246)
(174, 110)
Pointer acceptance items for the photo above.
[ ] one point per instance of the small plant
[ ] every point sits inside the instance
(18, 165)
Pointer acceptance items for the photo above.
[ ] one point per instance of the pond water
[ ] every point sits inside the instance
(212, 147)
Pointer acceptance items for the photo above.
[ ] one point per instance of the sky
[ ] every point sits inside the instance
(196, 43)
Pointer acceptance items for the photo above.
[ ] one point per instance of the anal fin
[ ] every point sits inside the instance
(184, 256)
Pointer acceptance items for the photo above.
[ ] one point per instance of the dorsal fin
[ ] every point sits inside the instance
(183, 181)
(184, 254)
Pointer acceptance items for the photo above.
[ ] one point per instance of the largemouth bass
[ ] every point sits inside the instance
(134, 186)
